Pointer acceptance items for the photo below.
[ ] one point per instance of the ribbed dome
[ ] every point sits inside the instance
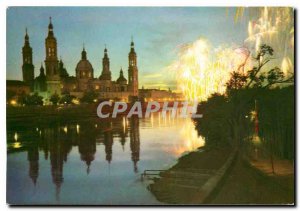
(84, 69)
(84, 65)
(121, 79)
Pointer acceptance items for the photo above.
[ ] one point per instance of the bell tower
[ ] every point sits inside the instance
(105, 74)
(27, 67)
(51, 62)
(133, 83)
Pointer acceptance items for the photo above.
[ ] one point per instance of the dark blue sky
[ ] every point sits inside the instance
(157, 33)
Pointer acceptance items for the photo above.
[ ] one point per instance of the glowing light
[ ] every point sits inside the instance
(17, 145)
(16, 136)
(124, 124)
(75, 101)
(256, 140)
(13, 102)
(77, 128)
(65, 129)
(253, 115)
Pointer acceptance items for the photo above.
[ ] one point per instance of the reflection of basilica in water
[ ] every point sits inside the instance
(56, 144)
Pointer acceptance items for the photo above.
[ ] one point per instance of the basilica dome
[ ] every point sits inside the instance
(121, 78)
(84, 69)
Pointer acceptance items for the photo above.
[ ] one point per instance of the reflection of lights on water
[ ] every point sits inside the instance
(190, 139)
(37, 129)
(152, 120)
(77, 128)
(124, 124)
(16, 136)
(96, 125)
(65, 129)
(159, 119)
(17, 145)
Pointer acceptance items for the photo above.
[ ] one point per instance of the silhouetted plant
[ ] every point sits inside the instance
(54, 99)
(29, 100)
(89, 97)
(227, 119)
(66, 99)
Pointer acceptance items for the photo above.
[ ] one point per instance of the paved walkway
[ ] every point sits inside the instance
(246, 185)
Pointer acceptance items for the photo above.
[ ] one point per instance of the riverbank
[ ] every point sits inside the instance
(194, 177)
(242, 183)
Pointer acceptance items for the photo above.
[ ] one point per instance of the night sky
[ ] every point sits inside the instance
(158, 33)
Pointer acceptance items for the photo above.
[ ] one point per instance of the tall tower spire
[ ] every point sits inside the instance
(133, 84)
(105, 74)
(27, 67)
(83, 53)
(51, 62)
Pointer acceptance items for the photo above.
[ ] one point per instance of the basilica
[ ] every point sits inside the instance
(54, 78)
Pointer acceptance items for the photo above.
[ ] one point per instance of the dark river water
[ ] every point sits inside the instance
(93, 161)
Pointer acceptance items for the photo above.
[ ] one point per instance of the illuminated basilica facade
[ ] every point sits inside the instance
(54, 78)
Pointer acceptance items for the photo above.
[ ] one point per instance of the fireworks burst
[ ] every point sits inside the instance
(201, 70)
(273, 26)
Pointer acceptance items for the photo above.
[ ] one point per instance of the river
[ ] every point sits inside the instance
(92, 161)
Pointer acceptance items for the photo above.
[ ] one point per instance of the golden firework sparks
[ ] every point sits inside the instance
(202, 70)
(273, 26)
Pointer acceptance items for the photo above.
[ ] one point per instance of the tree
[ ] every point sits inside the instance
(10, 94)
(258, 76)
(89, 96)
(66, 99)
(237, 81)
(35, 99)
(29, 100)
(54, 99)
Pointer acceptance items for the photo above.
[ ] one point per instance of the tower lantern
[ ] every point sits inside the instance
(105, 74)
(51, 62)
(27, 67)
(133, 83)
